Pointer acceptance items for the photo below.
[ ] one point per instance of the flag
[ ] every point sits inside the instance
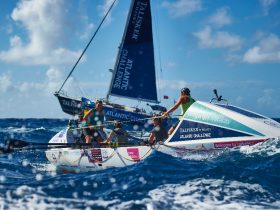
(165, 97)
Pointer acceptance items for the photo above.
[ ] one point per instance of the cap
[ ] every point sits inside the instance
(186, 91)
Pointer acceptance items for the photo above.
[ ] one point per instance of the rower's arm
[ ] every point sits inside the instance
(151, 138)
(109, 138)
(174, 107)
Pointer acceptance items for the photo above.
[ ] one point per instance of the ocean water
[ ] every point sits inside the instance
(242, 178)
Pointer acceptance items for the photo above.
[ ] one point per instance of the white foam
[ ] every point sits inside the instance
(211, 194)
(43, 167)
(194, 194)
(191, 155)
(34, 198)
(268, 148)
(22, 129)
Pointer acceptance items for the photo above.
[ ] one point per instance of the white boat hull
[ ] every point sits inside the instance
(92, 159)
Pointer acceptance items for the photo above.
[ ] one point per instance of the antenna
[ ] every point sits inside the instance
(218, 98)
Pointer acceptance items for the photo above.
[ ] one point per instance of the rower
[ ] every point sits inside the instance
(185, 101)
(159, 132)
(118, 134)
(93, 121)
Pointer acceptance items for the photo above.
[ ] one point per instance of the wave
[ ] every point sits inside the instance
(268, 148)
(201, 193)
(241, 178)
(213, 194)
(26, 197)
(22, 129)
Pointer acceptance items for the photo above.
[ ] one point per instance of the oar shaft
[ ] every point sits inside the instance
(45, 146)
(112, 122)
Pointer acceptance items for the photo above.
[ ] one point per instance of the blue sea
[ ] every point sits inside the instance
(242, 178)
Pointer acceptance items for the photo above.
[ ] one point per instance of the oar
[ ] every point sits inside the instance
(123, 122)
(17, 144)
(13, 145)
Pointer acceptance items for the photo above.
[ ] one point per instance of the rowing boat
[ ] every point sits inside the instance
(204, 127)
(92, 159)
(207, 126)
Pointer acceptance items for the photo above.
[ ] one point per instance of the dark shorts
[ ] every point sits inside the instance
(94, 133)
(89, 132)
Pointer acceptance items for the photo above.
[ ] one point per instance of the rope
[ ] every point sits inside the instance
(132, 160)
(87, 45)
(66, 160)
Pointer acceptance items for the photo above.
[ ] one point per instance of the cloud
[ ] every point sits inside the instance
(88, 30)
(266, 98)
(267, 51)
(103, 8)
(5, 83)
(220, 39)
(266, 5)
(181, 8)
(44, 22)
(220, 18)
(269, 100)
(178, 84)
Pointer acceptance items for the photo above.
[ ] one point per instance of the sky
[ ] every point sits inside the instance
(232, 46)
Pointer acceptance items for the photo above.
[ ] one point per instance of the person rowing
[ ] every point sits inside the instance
(92, 123)
(118, 134)
(159, 132)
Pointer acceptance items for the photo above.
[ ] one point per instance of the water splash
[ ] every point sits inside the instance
(213, 194)
(268, 148)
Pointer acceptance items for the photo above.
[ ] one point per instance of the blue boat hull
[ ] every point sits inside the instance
(73, 107)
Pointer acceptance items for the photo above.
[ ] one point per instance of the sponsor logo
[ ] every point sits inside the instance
(137, 18)
(122, 75)
(122, 116)
(62, 133)
(70, 103)
(232, 144)
(204, 114)
(94, 155)
(133, 153)
(195, 133)
(104, 154)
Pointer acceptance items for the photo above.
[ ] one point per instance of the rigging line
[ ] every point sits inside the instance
(158, 39)
(79, 87)
(87, 45)
(159, 74)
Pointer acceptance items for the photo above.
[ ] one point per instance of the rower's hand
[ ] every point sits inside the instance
(145, 142)
(164, 115)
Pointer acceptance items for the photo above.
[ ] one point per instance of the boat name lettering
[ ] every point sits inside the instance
(138, 18)
(235, 144)
(195, 136)
(211, 118)
(123, 71)
(202, 135)
(190, 130)
(121, 115)
(187, 130)
(188, 136)
(69, 103)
